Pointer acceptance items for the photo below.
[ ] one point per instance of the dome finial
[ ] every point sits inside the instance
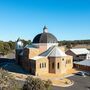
(45, 29)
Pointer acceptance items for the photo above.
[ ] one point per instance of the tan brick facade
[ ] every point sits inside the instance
(60, 64)
(44, 65)
(38, 58)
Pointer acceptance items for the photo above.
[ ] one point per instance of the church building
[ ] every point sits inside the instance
(43, 56)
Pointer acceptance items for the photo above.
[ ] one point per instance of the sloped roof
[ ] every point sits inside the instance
(78, 51)
(56, 52)
(37, 57)
(84, 62)
(47, 52)
(29, 46)
(53, 52)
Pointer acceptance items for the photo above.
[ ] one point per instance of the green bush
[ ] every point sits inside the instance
(36, 84)
(7, 81)
(48, 84)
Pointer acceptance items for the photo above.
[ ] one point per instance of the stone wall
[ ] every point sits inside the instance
(42, 66)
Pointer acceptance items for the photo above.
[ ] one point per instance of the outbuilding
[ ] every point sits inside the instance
(79, 54)
(83, 65)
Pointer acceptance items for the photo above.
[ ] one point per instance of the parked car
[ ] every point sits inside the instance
(87, 73)
(81, 73)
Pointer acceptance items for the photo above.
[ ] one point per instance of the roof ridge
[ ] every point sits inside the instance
(51, 51)
(57, 52)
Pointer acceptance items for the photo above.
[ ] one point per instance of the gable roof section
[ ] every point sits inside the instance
(79, 51)
(47, 52)
(56, 52)
(53, 52)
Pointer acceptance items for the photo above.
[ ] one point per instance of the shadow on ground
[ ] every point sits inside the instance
(11, 66)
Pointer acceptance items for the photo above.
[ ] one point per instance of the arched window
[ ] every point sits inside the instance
(58, 65)
(53, 65)
(63, 59)
(45, 64)
(68, 61)
(40, 65)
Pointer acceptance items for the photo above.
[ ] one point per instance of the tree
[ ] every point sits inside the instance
(68, 45)
(25, 42)
(7, 81)
(11, 45)
(36, 84)
(33, 84)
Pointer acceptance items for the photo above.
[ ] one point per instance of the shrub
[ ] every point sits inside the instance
(36, 84)
(7, 82)
(48, 84)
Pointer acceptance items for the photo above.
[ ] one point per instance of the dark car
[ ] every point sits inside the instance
(81, 73)
(87, 73)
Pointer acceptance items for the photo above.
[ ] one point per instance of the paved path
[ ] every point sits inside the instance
(80, 83)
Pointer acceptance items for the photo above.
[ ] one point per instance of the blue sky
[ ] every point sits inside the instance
(66, 19)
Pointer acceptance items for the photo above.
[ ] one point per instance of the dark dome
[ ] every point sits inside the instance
(45, 38)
